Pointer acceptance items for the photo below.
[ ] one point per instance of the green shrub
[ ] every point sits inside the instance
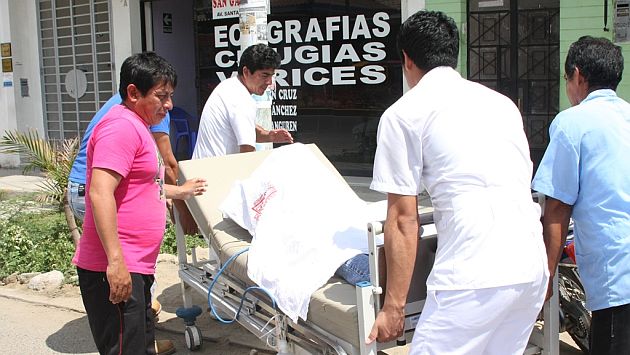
(169, 244)
(41, 241)
(35, 242)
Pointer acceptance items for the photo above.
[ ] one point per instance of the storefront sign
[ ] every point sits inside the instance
(491, 3)
(24, 87)
(225, 9)
(5, 49)
(331, 50)
(622, 21)
(7, 65)
(7, 80)
(167, 22)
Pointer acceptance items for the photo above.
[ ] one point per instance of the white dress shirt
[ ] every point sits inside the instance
(228, 120)
(465, 143)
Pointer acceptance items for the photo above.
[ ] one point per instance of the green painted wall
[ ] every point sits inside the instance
(586, 17)
(577, 18)
(457, 10)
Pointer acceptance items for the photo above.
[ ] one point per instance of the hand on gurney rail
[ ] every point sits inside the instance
(389, 324)
(192, 187)
(280, 136)
(119, 281)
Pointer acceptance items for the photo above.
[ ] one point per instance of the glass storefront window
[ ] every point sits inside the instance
(340, 70)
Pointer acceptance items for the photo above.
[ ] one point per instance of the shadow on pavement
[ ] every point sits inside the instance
(225, 338)
(73, 338)
(171, 299)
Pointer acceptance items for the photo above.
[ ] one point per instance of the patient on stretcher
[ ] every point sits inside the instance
(355, 269)
(307, 224)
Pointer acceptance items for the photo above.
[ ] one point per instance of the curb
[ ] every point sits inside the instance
(29, 300)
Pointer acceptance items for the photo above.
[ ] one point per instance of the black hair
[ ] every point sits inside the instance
(599, 60)
(430, 39)
(145, 70)
(259, 56)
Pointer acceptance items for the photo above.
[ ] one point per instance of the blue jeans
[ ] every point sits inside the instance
(76, 202)
(355, 270)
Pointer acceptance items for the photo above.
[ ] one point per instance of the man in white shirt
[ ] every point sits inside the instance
(228, 121)
(466, 144)
(228, 125)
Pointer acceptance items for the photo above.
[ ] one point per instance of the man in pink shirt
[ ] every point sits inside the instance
(125, 219)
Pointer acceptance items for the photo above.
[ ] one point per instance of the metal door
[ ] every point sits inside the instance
(76, 63)
(513, 48)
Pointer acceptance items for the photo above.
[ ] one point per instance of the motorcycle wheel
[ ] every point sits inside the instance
(577, 317)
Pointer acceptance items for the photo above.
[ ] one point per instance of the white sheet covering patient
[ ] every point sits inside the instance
(305, 222)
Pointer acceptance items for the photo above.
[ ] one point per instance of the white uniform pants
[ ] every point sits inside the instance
(495, 320)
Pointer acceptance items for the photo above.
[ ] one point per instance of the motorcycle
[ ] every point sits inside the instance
(575, 319)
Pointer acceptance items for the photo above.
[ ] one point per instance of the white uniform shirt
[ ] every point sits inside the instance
(228, 121)
(466, 144)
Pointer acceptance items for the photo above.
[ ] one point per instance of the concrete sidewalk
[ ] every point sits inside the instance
(21, 183)
(65, 306)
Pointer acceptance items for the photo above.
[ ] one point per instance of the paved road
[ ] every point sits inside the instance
(34, 329)
(55, 322)
(29, 328)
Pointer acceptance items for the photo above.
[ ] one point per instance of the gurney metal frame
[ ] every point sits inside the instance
(260, 318)
(258, 314)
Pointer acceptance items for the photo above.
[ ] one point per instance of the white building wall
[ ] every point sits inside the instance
(178, 47)
(126, 31)
(29, 111)
(8, 118)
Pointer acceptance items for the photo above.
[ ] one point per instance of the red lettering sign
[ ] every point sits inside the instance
(219, 3)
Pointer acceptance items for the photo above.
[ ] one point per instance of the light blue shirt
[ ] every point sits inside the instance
(79, 167)
(587, 165)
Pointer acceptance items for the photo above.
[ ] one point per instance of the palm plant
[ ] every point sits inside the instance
(54, 159)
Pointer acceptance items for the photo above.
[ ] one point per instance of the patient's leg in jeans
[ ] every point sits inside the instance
(355, 270)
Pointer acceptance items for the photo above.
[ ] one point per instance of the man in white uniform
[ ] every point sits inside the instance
(466, 144)
(228, 121)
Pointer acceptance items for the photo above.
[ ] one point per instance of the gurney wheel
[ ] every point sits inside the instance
(193, 337)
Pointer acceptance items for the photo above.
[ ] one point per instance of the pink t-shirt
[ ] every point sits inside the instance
(121, 142)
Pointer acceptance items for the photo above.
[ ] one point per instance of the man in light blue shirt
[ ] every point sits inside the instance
(585, 174)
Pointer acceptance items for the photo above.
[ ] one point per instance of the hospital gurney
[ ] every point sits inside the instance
(340, 315)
